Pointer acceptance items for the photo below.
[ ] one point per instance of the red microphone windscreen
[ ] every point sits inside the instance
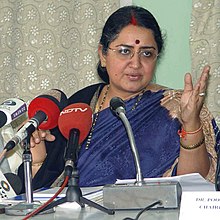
(78, 115)
(51, 103)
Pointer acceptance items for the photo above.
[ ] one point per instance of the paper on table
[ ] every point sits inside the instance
(200, 205)
(42, 195)
(188, 182)
(92, 193)
(88, 192)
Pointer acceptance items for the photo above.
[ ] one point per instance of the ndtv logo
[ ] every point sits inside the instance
(69, 110)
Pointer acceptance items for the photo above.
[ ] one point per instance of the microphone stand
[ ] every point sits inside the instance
(29, 205)
(139, 177)
(141, 193)
(27, 160)
(74, 193)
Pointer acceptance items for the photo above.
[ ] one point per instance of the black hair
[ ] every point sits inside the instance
(121, 18)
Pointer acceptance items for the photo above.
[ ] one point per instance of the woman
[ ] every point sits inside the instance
(174, 132)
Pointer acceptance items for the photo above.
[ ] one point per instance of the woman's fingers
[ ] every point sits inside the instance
(188, 85)
(40, 135)
(203, 82)
(49, 136)
(193, 96)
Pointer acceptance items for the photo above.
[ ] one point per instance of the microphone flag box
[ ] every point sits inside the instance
(131, 196)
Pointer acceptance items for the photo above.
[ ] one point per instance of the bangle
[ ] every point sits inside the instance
(182, 133)
(37, 164)
(194, 146)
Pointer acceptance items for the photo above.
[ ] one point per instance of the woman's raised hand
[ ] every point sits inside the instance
(192, 99)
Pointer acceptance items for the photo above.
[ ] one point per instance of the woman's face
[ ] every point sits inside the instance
(130, 74)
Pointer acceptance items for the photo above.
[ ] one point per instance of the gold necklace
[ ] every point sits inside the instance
(100, 108)
(138, 99)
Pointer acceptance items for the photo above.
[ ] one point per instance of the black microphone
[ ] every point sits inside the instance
(44, 111)
(117, 106)
(74, 123)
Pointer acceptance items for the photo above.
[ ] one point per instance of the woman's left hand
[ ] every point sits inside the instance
(192, 100)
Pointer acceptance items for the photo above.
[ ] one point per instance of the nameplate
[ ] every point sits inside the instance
(200, 205)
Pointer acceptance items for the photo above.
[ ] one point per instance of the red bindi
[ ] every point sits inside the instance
(137, 41)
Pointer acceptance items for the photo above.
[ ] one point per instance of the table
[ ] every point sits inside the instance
(89, 213)
(190, 182)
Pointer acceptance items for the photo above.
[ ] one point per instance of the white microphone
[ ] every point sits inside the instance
(26, 130)
(10, 110)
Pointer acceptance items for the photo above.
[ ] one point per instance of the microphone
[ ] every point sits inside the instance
(10, 110)
(117, 106)
(44, 112)
(74, 123)
(139, 194)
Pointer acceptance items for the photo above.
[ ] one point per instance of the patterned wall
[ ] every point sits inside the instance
(48, 44)
(205, 45)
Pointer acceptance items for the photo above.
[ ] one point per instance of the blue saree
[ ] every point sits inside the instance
(155, 122)
(109, 156)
